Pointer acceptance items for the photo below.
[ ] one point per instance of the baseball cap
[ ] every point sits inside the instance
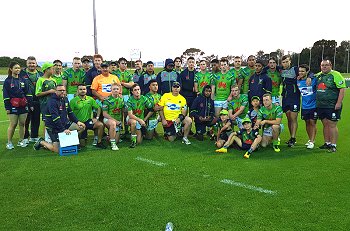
(223, 112)
(46, 66)
(175, 84)
(113, 62)
(246, 120)
(169, 62)
(255, 97)
(84, 59)
(104, 64)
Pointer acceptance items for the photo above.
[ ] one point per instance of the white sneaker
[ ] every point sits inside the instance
(307, 143)
(26, 141)
(94, 143)
(169, 226)
(33, 140)
(22, 144)
(311, 145)
(186, 141)
(114, 146)
(9, 146)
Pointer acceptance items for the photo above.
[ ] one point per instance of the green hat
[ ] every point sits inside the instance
(46, 66)
(246, 120)
(255, 97)
(224, 112)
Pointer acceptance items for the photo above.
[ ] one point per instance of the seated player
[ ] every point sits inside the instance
(223, 127)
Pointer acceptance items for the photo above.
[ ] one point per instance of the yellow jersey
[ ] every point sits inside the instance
(172, 105)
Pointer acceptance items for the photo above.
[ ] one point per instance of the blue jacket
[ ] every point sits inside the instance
(16, 88)
(259, 84)
(202, 106)
(144, 82)
(57, 113)
(165, 80)
(186, 80)
(32, 79)
(89, 77)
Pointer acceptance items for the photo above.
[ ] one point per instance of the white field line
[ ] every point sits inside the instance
(4, 121)
(247, 186)
(150, 161)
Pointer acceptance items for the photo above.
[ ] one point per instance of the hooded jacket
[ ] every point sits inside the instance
(186, 80)
(259, 84)
(202, 106)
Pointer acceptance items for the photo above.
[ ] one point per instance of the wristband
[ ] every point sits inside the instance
(181, 117)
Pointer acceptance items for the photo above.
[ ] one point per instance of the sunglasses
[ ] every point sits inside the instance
(176, 86)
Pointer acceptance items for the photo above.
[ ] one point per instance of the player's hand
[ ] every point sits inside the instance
(337, 106)
(67, 131)
(308, 81)
(81, 125)
(201, 118)
(31, 108)
(7, 111)
(164, 122)
(142, 123)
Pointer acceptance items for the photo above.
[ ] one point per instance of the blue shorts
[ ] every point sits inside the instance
(309, 114)
(245, 146)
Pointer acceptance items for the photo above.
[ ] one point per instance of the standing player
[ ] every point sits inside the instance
(202, 78)
(270, 117)
(138, 72)
(186, 80)
(72, 77)
(237, 69)
(146, 78)
(57, 71)
(166, 77)
(178, 65)
(93, 72)
(246, 73)
(275, 77)
(329, 98)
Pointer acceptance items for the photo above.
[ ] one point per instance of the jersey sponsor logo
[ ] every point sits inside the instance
(203, 84)
(321, 87)
(304, 91)
(340, 82)
(173, 107)
(222, 85)
(107, 87)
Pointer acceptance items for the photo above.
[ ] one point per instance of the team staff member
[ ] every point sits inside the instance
(93, 72)
(17, 97)
(259, 82)
(146, 78)
(174, 113)
(82, 106)
(56, 120)
(31, 74)
(186, 80)
(329, 98)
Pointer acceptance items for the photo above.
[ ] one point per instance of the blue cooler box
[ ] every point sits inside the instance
(69, 150)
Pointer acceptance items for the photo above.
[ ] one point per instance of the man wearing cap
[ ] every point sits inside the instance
(173, 114)
(57, 71)
(237, 106)
(259, 82)
(166, 77)
(85, 64)
(45, 86)
(270, 117)
(113, 66)
(72, 77)
(147, 77)
(31, 74)
(58, 118)
(101, 85)
(246, 138)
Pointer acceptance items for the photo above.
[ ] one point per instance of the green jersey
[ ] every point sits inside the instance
(32, 78)
(124, 77)
(328, 86)
(58, 78)
(154, 100)
(236, 103)
(202, 80)
(42, 85)
(236, 73)
(114, 107)
(276, 79)
(82, 108)
(222, 83)
(248, 138)
(138, 106)
(245, 74)
(270, 114)
(74, 78)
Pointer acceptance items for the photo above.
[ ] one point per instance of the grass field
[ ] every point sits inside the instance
(191, 186)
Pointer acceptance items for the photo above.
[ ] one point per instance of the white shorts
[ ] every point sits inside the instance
(138, 125)
(276, 100)
(239, 123)
(152, 124)
(267, 131)
(220, 103)
(117, 129)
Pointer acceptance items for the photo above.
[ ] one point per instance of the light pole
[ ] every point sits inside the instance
(310, 58)
(322, 50)
(95, 28)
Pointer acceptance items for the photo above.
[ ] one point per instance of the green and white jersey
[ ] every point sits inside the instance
(236, 103)
(138, 106)
(57, 78)
(203, 80)
(42, 85)
(74, 78)
(236, 73)
(124, 77)
(114, 107)
(270, 114)
(276, 79)
(248, 138)
(245, 74)
(222, 83)
(82, 107)
(154, 100)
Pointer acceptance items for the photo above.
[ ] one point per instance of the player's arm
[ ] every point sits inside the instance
(340, 98)
(276, 121)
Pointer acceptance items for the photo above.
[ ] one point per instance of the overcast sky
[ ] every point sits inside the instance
(63, 29)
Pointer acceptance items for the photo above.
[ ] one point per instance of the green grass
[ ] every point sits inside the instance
(113, 190)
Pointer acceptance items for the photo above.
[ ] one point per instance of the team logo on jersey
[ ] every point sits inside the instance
(173, 107)
(340, 82)
(201, 105)
(322, 87)
(106, 87)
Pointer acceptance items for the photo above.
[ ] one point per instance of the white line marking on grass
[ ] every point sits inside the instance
(247, 186)
(150, 161)
(4, 121)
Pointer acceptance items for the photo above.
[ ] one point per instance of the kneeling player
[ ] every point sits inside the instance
(246, 138)
(224, 129)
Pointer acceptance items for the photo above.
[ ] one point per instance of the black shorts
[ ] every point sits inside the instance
(53, 134)
(293, 107)
(329, 113)
(169, 130)
(224, 135)
(245, 146)
(309, 114)
(89, 125)
(18, 110)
